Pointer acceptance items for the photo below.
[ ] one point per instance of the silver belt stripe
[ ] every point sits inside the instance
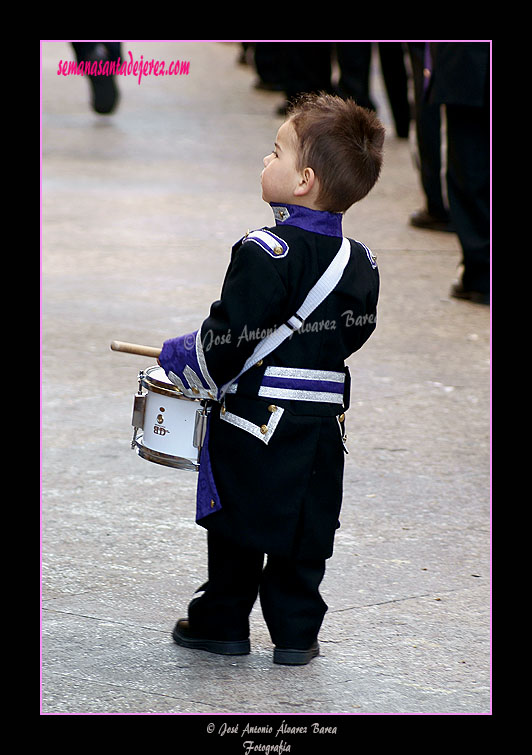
(299, 394)
(304, 374)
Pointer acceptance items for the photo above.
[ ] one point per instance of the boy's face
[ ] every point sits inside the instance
(280, 178)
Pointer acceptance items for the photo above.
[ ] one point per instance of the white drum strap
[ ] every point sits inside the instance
(315, 297)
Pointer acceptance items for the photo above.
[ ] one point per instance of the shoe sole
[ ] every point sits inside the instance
(473, 296)
(220, 647)
(441, 227)
(293, 657)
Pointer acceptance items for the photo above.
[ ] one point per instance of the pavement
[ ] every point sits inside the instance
(139, 212)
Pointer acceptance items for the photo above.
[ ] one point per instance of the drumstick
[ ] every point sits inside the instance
(135, 348)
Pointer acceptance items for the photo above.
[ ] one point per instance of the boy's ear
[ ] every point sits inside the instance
(306, 183)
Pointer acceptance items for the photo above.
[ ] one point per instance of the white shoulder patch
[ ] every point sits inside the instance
(275, 246)
(371, 256)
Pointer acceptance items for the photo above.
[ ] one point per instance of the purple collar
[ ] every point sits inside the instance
(317, 221)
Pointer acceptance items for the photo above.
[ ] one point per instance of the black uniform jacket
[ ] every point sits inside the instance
(272, 477)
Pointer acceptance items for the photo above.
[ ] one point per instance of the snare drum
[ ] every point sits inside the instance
(169, 427)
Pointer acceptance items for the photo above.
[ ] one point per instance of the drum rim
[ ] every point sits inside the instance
(167, 460)
(157, 386)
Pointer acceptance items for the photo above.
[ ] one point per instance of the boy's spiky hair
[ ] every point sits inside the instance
(343, 144)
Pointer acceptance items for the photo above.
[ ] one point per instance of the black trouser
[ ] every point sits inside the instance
(292, 606)
(428, 134)
(468, 186)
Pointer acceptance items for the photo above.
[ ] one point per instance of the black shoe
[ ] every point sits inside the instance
(268, 86)
(104, 94)
(424, 219)
(183, 635)
(289, 657)
(478, 297)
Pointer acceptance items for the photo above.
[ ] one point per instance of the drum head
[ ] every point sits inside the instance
(155, 379)
(157, 374)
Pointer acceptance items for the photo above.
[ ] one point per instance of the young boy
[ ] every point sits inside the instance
(271, 468)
